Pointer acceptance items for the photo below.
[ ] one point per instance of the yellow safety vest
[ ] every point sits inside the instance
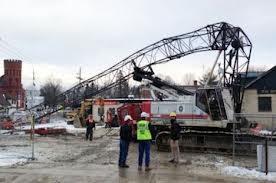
(143, 132)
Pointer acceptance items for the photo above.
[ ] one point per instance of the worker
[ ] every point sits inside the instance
(115, 121)
(108, 119)
(90, 124)
(125, 138)
(174, 138)
(144, 139)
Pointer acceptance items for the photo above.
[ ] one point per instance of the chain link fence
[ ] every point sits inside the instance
(255, 131)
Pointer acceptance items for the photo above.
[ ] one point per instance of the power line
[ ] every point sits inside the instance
(11, 51)
(6, 52)
(14, 50)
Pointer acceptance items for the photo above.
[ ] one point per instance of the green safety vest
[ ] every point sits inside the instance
(143, 132)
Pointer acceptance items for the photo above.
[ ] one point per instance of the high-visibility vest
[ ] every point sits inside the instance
(143, 132)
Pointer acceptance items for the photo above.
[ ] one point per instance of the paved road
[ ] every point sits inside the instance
(103, 173)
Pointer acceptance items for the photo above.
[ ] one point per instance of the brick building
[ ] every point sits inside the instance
(10, 83)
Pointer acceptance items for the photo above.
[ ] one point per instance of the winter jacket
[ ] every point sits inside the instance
(126, 132)
(90, 125)
(175, 131)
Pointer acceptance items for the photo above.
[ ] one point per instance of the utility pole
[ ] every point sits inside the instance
(79, 76)
(33, 90)
(33, 117)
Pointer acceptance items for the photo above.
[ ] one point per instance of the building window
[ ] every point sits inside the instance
(264, 104)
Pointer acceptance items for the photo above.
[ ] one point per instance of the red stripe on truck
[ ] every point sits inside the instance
(180, 116)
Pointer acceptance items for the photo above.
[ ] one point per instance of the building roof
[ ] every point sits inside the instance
(261, 77)
(2, 81)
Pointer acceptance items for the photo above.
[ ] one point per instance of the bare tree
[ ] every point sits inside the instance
(205, 77)
(135, 90)
(169, 80)
(122, 89)
(90, 90)
(188, 78)
(50, 90)
(108, 93)
(166, 78)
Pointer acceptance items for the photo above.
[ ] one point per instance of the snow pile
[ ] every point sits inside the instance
(265, 132)
(5, 131)
(246, 173)
(9, 159)
(57, 124)
(71, 129)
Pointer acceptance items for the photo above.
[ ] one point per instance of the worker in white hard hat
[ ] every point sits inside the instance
(125, 138)
(175, 136)
(144, 138)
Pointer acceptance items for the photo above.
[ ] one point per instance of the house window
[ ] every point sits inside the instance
(264, 104)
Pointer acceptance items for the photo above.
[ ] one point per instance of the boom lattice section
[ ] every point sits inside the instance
(223, 37)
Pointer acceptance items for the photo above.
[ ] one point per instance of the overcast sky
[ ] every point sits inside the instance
(56, 37)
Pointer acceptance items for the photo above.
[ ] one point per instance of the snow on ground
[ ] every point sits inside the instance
(5, 131)
(11, 158)
(247, 173)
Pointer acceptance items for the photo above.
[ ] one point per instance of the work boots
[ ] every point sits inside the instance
(124, 166)
(148, 168)
(171, 161)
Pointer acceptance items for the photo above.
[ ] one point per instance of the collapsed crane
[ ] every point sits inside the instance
(232, 44)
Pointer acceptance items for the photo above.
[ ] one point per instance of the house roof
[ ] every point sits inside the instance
(3, 101)
(261, 76)
(250, 76)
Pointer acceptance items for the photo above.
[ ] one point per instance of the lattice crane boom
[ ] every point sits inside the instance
(231, 40)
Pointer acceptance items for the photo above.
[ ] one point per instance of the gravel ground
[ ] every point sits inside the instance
(69, 158)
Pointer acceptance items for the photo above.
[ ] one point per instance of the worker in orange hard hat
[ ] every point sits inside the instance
(175, 136)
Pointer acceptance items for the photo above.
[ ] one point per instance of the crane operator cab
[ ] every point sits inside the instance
(216, 102)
